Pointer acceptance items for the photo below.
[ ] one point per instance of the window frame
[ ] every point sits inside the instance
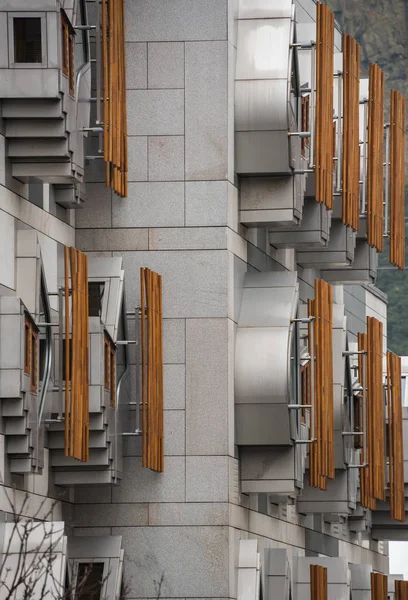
(11, 55)
(31, 350)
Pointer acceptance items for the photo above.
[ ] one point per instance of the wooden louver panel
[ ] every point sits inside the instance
(397, 180)
(372, 477)
(76, 369)
(351, 142)
(375, 159)
(379, 586)
(318, 583)
(321, 457)
(152, 370)
(395, 441)
(401, 590)
(324, 135)
(114, 96)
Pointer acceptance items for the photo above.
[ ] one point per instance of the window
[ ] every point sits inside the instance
(68, 51)
(27, 40)
(89, 581)
(31, 352)
(112, 356)
(95, 295)
(34, 361)
(107, 364)
(305, 111)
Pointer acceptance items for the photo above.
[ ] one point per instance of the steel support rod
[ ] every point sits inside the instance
(387, 178)
(312, 105)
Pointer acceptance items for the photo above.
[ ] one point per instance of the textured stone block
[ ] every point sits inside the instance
(143, 485)
(166, 65)
(110, 515)
(207, 478)
(174, 387)
(94, 494)
(207, 389)
(179, 20)
(97, 208)
(137, 157)
(94, 240)
(207, 513)
(206, 203)
(136, 66)
(192, 560)
(174, 433)
(206, 111)
(194, 282)
(174, 341)
(166, 158)
(150, 205)
(155, 112)
(185, 238)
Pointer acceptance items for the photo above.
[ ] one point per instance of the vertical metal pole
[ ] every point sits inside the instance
(98, 63)
(364, 173)
(312, 105)
(387, 179)
(298, 368)
(312, 377)
(138, 367)
(61, 404)
(339, 128)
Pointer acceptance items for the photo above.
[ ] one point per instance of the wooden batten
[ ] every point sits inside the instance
(152, 370)
(351, 141)
(372, 476)
(379, 586)
(76, 360)
(114, 96)
(321, 455)
(324, 136)
(395, 438)
(401, 589)
(318, 583)
(397, 179)
(375, 159)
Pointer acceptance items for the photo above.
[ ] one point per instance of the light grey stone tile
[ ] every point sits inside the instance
(88, 515)
(166, 158)
(206, 111)
(155, 112)
(185, 238)
(192, 560)
(144, 485)
(150, 205)
(207, 478)
(136, 66)
(91, 531)
(166, 65)
(91, 240)
(179, 20)
(174, 387)
(174, 433)
(208, 513)
(206, 203)
(207, 388)
(174, 341)
(137, 158)
(94, 494)
(97, 208)
(195, 282)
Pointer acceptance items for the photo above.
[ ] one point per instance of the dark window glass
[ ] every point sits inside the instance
(27, 40)
(90, 581)
(43, 353)
(95, 295)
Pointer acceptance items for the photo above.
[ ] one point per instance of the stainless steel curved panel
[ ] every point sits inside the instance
(262, 365)
(254, 100)
(255, 9)
(263, 357)
(263, 48)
